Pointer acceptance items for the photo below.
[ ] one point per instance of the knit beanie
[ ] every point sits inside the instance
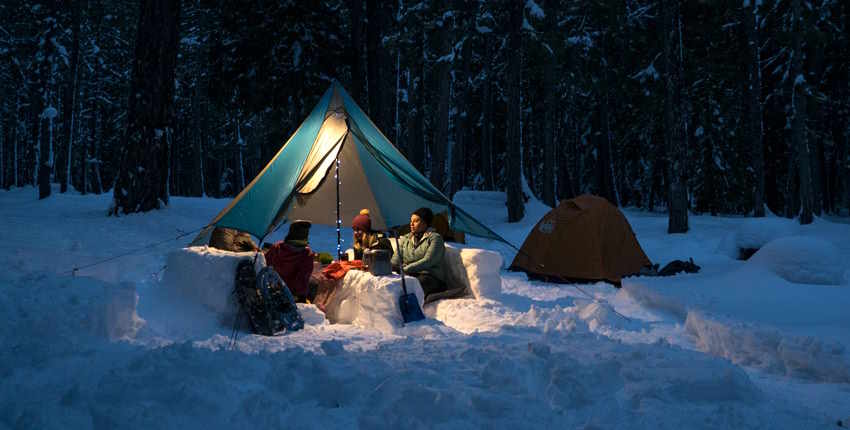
(362, 221)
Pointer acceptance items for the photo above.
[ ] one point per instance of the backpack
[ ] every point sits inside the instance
(266, 300)
(677, 266)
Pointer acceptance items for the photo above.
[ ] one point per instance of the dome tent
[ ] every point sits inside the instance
(583, 239)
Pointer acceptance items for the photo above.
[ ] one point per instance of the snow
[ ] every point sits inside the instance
(801, 260)
(534, 10)
(478, 269)
(205, 275)
(371, 302)
(49, 112)
(132, 344)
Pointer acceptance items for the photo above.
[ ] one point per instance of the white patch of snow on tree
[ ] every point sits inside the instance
(49, 112)
(534, 10)
(296, 54)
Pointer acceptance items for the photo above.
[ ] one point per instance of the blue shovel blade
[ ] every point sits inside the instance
(410, 310)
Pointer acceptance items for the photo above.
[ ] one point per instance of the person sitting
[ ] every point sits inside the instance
(293, 260)
(366, 238)
(423, 253)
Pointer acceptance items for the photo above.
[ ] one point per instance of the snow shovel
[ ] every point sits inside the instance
(408, 302)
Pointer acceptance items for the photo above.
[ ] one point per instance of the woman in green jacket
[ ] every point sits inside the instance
(423, 252)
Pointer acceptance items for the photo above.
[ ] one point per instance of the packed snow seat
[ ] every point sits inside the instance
(369, 301)
(205, 275)
(476, 269)
(473, 269)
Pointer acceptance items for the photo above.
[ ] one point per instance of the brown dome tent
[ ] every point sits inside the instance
(583, 239)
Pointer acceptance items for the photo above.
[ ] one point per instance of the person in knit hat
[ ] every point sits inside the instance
(365, 237)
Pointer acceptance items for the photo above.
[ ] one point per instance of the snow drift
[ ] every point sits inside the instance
(801, 260)
(770, 349)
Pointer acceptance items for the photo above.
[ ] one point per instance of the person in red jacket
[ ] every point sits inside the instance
(293, 259)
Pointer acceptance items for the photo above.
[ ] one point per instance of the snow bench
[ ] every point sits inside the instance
(205, 275)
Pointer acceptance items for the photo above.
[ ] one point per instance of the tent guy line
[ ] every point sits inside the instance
(73, 271)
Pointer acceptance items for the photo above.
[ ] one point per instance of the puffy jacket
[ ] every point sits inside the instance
(294, 264)
(425, 256)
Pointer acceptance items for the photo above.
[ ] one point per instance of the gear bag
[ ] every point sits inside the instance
(266, 300)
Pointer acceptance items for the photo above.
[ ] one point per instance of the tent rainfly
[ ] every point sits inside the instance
(583, 239)
(336, 163)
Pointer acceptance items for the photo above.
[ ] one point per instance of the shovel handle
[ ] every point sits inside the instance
(394, 235)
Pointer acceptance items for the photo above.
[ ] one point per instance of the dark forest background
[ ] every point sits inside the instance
(720, 107)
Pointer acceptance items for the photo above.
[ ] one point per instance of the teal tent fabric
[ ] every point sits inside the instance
(398, 188)
(254, 210)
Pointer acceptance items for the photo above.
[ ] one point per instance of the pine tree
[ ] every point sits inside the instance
(143, 178)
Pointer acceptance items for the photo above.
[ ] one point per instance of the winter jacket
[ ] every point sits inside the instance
(294, 264)
(374, 240)
(425, 256)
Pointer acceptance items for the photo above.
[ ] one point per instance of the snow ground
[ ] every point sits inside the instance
(739, 345)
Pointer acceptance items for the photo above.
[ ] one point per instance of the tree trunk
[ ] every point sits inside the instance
(143, 178)
(41, 161)
(816, 137)
(70, 97)
(516, 205)
(798, 121)
(441, 129)
(416, 117)
(601, 136)
(674, 119)
(2, 152)
(487, 129)
(754, 123)
(462, 134)
(566, 185)
(373, 64)
(15, 130)
(387, 66)
(356, 87)
(550, 99)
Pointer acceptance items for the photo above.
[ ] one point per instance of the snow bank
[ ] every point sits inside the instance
(205, 275)
(769, 349)
(599, 314)
(46, 317)
(652, 299)
(754, 233)
(368, 301)
(802, 260)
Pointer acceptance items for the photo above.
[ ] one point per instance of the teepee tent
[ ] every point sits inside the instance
(336, 163)
(583, 239)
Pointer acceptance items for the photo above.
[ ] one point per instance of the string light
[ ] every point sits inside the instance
(338, 217)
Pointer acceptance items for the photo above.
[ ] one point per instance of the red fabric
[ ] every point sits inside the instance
(338, 269)
(293, 264)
